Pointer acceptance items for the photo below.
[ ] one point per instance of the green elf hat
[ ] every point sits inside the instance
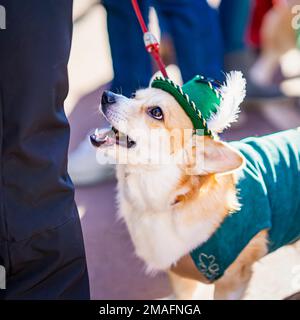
(211, 105)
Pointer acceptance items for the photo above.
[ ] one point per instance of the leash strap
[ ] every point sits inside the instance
(151, 43)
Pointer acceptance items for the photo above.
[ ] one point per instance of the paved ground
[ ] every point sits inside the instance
(114, 271)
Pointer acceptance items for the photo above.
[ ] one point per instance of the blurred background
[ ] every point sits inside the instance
(258, 37)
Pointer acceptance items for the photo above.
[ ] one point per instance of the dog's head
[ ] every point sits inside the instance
(151, 128)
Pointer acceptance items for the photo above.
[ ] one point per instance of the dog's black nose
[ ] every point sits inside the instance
(94, 141)
(108, 97)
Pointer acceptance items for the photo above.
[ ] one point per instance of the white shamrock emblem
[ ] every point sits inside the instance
(208, 266)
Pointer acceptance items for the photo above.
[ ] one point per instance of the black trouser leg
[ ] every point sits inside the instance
(41, 243)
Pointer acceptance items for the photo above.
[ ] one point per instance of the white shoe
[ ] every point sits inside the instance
(84, 168)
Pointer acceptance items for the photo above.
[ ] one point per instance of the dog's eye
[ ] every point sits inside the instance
(133, 95)
(156, 113)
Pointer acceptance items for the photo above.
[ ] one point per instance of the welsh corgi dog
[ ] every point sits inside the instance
(199, 208)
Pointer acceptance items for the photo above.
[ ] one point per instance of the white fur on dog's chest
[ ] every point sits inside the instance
(159, 234)
(150, 191)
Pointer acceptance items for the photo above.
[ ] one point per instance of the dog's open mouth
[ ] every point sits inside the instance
(109, 137)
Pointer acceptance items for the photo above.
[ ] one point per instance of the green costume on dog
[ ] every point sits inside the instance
(268, 186)
(269, 194)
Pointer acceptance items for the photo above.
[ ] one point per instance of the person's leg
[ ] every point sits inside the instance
(131, 62)
(194, 27)
(41, 242)
(234, 17)
(234, 20)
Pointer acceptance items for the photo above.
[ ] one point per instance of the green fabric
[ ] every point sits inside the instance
(199, 98)
(269, 193)
(203, 95)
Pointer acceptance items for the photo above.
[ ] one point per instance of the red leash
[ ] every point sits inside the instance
(151, 44)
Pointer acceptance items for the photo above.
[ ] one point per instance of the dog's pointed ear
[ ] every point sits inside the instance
(173, 72)
(151, 80)
(210, 156)
(156, 74)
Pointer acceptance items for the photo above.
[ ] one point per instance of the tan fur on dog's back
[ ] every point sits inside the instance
(206, 194)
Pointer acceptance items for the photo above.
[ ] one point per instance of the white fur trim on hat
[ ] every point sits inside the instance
(233, 92)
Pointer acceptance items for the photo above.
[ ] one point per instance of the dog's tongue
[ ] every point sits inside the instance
(103, 137)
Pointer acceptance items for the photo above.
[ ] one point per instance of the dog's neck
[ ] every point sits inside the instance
(169, 213)
(150, 188)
